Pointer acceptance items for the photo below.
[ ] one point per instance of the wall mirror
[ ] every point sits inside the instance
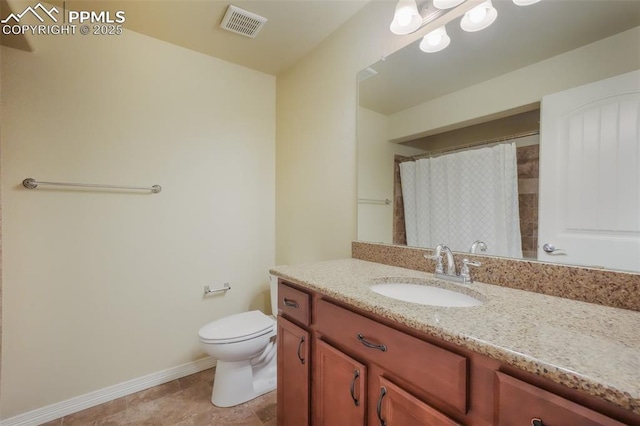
(485, 90)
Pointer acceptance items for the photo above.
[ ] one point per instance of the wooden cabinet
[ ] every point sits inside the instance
(294, 304)
(339, 388)
(439, 372)
(341, 366)
(293, 374)
(391, 353)
(520, 403)
(397, 407)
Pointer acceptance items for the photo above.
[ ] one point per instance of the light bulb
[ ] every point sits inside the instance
(446, 4)
(525, 2)
(404, 17)
(477, 14)
(480, 17)
(433, 39)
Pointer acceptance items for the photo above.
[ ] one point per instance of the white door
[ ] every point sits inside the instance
(589, 207)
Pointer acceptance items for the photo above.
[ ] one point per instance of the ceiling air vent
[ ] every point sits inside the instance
(242, 22)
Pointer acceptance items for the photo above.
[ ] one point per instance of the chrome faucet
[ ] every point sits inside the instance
(478, 244)
(451, 274)
(451, 263)
(438, 258)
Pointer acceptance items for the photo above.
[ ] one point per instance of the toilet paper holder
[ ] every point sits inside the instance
(208, 290)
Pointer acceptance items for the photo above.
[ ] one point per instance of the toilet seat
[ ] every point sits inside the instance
(237, 328)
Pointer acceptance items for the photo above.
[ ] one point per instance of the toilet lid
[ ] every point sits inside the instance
(236, 326)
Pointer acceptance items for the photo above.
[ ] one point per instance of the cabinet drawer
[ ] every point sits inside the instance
(519, 403)
(437, 371)
(294, 304)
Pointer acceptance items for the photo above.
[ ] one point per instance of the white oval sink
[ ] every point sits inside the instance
(425, 295)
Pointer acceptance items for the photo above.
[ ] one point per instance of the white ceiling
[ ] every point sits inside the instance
(294, 27)
(520, 36)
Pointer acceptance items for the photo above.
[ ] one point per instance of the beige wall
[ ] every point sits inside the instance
(605, 58)
(316, 136)
(375, 176)
(102, 287)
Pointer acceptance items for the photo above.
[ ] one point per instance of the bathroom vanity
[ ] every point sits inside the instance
(350, 356)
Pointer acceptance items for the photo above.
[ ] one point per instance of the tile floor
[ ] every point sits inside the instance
(182, 402)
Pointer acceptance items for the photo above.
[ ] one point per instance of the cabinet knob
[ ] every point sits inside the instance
(536, 422)
(356, 374)
(300, 347)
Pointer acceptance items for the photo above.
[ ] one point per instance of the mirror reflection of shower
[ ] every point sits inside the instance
(461, 197)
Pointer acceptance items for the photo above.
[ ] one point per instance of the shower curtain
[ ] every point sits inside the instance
(458, 198)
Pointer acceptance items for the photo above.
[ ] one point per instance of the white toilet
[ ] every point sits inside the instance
(245, 348)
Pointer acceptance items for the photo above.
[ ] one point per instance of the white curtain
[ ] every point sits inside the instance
(458, 198)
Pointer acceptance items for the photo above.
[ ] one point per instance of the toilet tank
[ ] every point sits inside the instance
(273, 283)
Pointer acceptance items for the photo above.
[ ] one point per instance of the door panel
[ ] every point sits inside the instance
(339, 388)
(396, 407)
(590, 174)
(293, 374)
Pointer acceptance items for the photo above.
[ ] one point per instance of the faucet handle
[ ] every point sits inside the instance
(438, 259)
(465, 273)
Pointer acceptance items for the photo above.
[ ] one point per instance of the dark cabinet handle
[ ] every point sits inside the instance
(291, 303)
(383, 392)
(356, 374)
(536, 422)
(300, 347)
(362, 340)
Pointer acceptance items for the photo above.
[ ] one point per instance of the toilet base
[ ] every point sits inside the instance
(238, 382)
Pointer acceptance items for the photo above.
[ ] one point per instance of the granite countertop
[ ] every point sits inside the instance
(588, 347)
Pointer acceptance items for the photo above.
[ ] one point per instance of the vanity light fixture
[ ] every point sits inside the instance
(480, 17)
(448, 4)
(435, 41)
(406, 19)
(525, 2)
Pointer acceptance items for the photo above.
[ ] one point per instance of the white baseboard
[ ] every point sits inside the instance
(91, 399)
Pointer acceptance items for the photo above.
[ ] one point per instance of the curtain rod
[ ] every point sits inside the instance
(494, 141)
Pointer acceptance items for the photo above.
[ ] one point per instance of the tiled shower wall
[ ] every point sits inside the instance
(528, 164)
(399, 231)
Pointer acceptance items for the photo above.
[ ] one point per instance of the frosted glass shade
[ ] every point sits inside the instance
(479, 18)
(446, 4)
(525, 2)
(435, 41)
(406, 19)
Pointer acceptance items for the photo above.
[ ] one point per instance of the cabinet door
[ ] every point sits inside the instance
(339, 393)
(293, 374)
(396, 407)
(520, 403)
